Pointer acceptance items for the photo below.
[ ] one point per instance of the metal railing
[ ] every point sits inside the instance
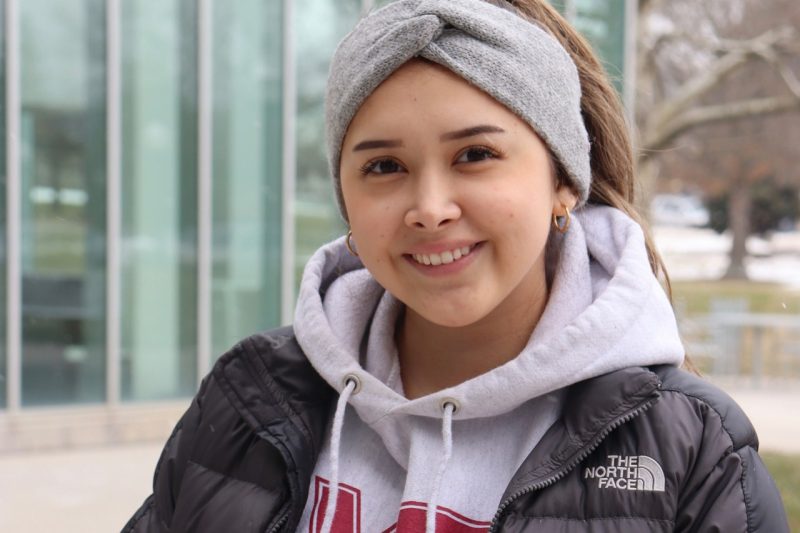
(738, 343)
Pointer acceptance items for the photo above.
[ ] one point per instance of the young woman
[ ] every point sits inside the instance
(489, 348)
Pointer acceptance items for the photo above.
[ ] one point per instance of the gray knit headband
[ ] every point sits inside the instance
(509, 58)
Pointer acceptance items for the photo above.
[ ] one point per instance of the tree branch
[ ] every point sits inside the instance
(660, 138)
(719, 70)
(784, 71)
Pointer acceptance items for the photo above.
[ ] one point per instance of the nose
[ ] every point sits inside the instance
(435, 204)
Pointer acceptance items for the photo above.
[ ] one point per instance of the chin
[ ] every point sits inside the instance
(459, 318)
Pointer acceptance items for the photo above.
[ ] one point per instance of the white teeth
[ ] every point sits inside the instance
(443, 258)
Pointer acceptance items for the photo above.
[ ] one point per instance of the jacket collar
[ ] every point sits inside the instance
(591, 410)
(271, 384)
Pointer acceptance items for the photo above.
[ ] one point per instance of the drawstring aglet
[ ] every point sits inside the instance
(449, 407)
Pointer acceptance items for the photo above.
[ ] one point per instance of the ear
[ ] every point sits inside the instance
(564, 197)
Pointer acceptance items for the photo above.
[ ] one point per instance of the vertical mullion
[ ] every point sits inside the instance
(629, 61)
(204, 176)
(13, 210)
(113, 208)
(289, 167)
(570, 11)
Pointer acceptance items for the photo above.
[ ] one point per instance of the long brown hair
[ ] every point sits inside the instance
(613, 164)
(614, 181)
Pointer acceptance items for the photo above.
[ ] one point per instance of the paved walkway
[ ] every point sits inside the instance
(773, 410)
(97, 490)
(82, 491)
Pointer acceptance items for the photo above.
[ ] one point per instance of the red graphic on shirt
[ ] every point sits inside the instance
(346, 517)
(413, 514)
(411, 518)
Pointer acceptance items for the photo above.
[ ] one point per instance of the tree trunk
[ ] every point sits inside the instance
(647, 175)
(739, 204)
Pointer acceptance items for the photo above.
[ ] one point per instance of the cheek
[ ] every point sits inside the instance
(373, 229)
(525, 228)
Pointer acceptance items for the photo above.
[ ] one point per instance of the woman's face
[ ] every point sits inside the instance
(449, 195)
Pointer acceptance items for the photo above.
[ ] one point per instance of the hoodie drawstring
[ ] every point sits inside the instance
(449, 407)
(352, 385)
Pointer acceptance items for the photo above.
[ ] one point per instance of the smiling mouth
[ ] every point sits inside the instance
(444, 258)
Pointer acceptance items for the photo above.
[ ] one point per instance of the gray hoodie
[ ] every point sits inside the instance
(393, 458)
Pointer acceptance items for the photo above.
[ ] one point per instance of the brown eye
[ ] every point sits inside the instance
(476, 154)
(381, 166)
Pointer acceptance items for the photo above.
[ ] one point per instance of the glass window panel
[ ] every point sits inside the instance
(3, 228)
(247, 66)
(62, 48)
(159, 202)
(603, 23)
(320, 25)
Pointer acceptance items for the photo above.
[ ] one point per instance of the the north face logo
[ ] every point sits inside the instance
(633, 472)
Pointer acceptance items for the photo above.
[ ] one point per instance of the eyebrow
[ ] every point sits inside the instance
(450, 136)
(380, 143)
(471, 132)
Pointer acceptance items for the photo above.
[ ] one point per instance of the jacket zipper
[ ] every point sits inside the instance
(587, 450)
(280, 523)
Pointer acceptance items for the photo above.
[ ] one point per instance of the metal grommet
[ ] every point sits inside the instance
(451, 401)
(354, 379)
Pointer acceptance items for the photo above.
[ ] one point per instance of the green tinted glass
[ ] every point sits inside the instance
(320, 24)
(159, 199)
(247, 213)
(62, 49)
(603, 23)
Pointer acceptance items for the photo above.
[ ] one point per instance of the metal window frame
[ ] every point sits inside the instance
(629, 62)
(13, 211)
(113, 200)
(288, 165)
(570, 11)
(204, 184)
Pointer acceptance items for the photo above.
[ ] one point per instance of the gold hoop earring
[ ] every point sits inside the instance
(563, 226)
(349, 244)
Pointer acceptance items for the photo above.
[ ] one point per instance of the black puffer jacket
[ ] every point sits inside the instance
(647, 450)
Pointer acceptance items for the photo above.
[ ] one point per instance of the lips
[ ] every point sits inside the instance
(443, 258)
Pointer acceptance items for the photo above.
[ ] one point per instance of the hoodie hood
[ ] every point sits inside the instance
(606, 311)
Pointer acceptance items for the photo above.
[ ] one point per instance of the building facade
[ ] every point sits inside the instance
(162, 183)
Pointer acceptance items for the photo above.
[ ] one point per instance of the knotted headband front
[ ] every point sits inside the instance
(515, 61)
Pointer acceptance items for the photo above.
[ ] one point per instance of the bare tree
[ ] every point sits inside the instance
(715, 74)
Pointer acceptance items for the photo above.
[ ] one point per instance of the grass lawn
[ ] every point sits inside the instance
(786, 471)
(747, 349)
(696, 297)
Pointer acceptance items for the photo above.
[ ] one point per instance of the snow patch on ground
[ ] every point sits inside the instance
(702, 254)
